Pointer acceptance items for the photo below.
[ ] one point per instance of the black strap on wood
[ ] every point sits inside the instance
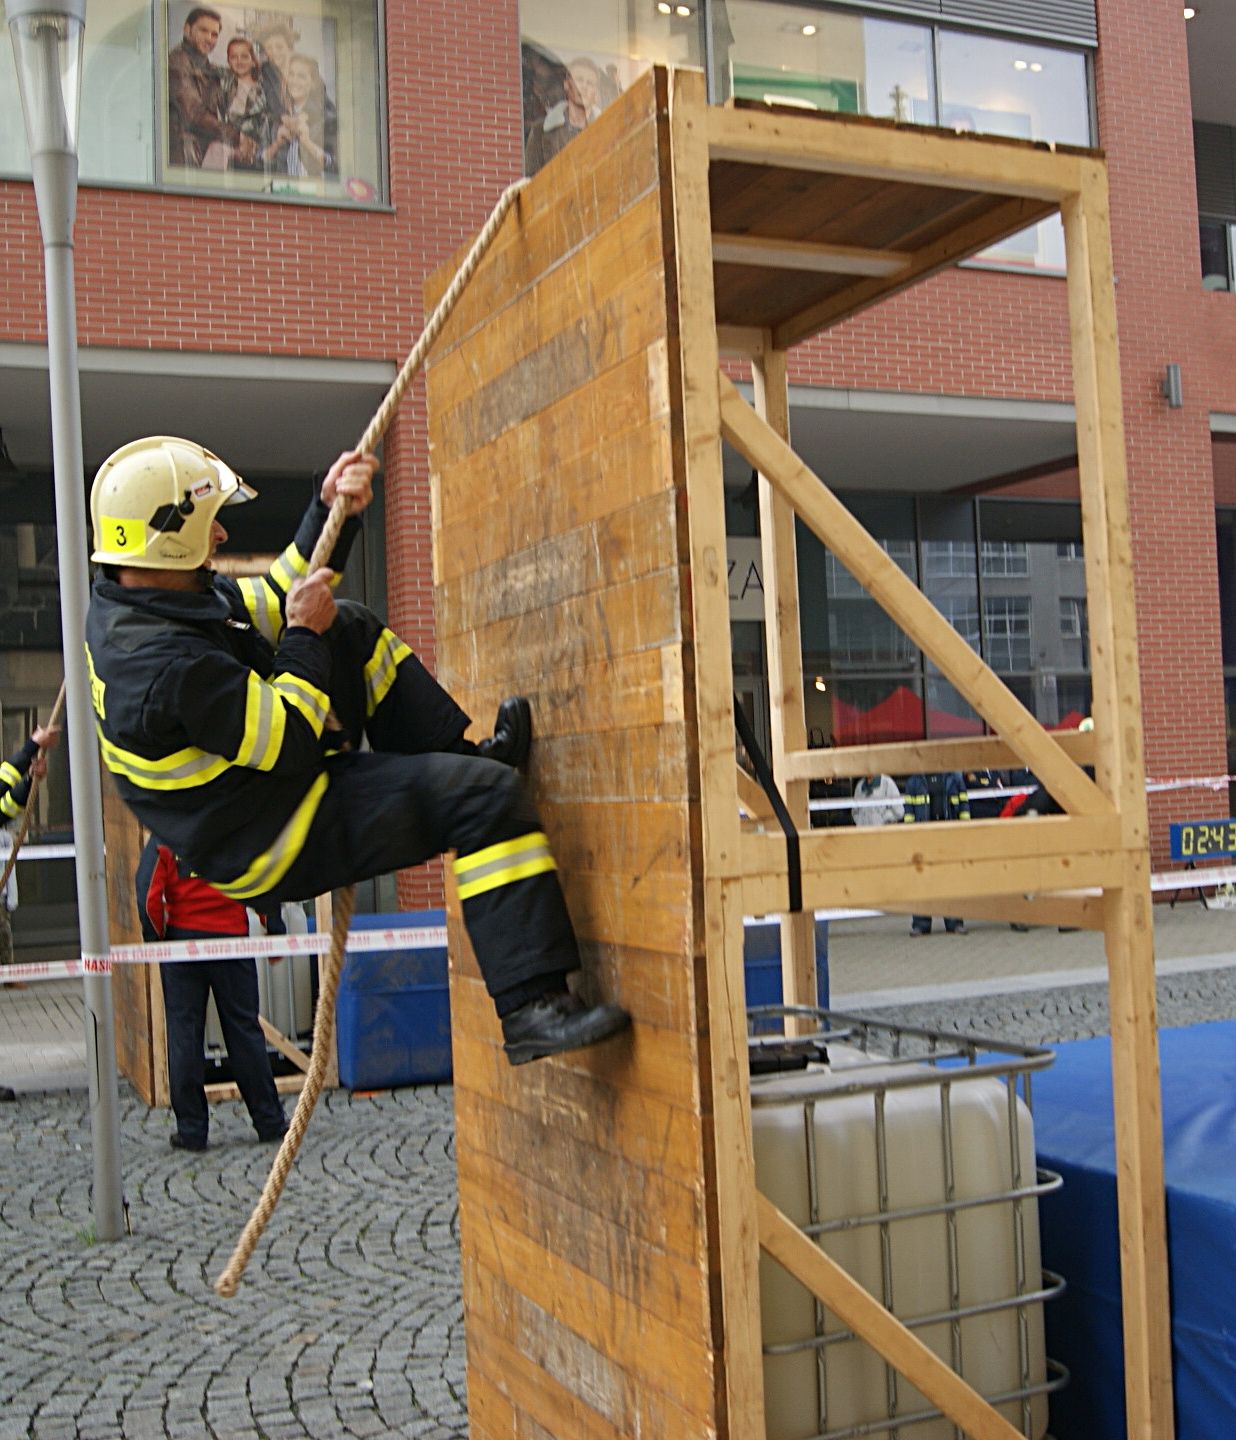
(763, 773)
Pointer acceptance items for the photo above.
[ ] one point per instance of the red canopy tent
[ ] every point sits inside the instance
(899, 716)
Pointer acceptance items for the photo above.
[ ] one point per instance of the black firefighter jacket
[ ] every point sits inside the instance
(209, 712)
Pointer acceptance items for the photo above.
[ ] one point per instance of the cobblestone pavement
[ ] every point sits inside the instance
(348, 1322)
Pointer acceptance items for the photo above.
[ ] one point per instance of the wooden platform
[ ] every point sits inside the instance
(610, 1225)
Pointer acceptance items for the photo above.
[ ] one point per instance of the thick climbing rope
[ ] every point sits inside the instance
(24, 828)
(332, 966)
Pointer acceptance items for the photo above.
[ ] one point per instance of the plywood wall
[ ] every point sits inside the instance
(555, 432)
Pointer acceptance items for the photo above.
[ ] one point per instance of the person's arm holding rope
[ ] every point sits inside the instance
(265, 597)
(17, 773)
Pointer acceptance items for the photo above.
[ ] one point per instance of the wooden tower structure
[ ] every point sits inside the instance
(610, 1219)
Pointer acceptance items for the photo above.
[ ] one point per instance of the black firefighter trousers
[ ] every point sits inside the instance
(419, 793)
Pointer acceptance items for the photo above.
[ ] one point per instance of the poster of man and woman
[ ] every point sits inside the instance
(250, 92)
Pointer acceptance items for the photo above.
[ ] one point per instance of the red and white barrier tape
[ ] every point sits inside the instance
(420, 937)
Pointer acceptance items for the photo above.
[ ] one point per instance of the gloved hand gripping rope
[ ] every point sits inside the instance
(332, 966)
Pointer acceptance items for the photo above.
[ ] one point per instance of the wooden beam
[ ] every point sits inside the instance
(864, 1314)
(783, 639)
(806, 255)
(901, 599)
(729, 1165)
(741, 340)
(925, 757)
(903, 153)
(1120, 771)
(917, 863)
(1062, 908)
(959, 243)
(752, 798)
(284, 1046)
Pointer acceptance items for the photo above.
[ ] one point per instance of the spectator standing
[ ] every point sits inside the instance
(936, 797)
(883, 788)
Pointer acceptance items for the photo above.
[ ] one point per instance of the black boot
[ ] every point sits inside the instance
(557, 1022)
(512, 737)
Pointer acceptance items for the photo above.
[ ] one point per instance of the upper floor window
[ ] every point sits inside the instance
(578, 56)
(1004, 558)
(241, 100)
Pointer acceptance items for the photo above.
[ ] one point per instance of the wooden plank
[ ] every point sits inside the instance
(901, 599)
(959, 242)
(744, 340)
(783, 632)
(1120, 771)
(664, 1357)
(649, 1277)
(900, 154)
(883, 867)
(730, 1161)
(752, 798)
(806, 255)
(638, 763)
(863, 1314)
(1081, 912)
(228, 1089)
(925, 757)
(284, 1046)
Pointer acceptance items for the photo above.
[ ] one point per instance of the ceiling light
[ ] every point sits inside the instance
(819, 683)
(808, 29)
(1189, 12)
(682, 9)
(1020, 65)
(1035, 66)
(665, 7)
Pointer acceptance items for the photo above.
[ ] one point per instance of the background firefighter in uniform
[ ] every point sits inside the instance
(15, 776)
(211, 697)
(174, 904)
(936, 797)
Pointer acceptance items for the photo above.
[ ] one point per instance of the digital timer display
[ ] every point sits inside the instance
(1203, 839)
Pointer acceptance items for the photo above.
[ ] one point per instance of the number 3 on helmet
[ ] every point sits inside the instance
(154, 501)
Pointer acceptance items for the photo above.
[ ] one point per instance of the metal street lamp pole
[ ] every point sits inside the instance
(47, 45)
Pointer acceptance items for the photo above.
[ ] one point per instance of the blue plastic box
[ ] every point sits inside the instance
(393, 1010)
(762, 961)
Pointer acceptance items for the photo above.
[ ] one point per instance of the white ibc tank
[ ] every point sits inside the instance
(821, 1390)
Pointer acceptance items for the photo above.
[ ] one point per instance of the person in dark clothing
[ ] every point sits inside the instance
(175, 904)
(16, 776)
(936, 797)
(212, 697)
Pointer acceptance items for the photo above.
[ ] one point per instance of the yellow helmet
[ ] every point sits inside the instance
(154, 500)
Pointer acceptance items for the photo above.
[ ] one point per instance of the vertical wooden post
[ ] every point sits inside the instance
(740, 1378)
(1120, 773)
(785, 666)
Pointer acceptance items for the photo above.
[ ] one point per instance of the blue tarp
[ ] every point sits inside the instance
(1074, 1134)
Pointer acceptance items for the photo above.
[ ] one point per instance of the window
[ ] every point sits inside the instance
(1217, 270)
(246, 101)
(1072, 619)
(1004, 558)
(961, 612)
(1069, 550)
(943, 559)
(1022, 90)
(577, 57)
(1006, 625)
(823, 60)
(117, 83)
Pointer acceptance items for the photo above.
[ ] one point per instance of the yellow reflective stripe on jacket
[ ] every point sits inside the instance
(265, 726)
(312, 703)
(289, 566)
(503, 864)
(388, 654)
(9, 774)
(262, 604)
(272, 865)
(182, 770)
(10, 808)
